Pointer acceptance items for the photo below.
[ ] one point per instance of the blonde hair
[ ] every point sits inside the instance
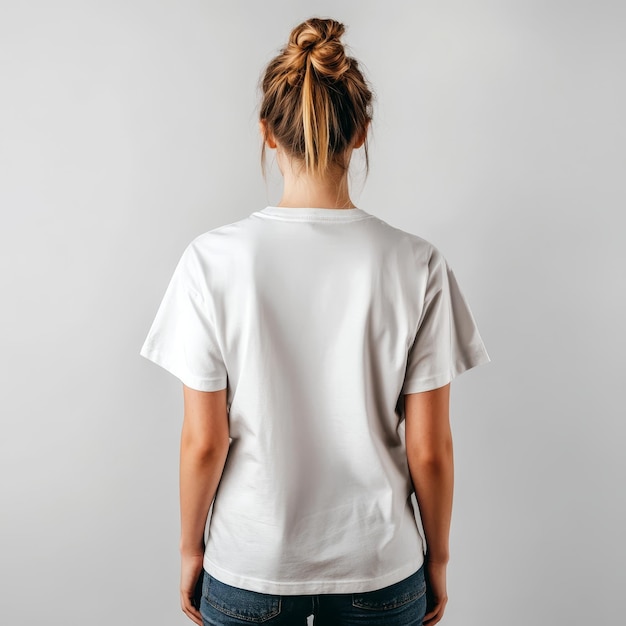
(315, 98)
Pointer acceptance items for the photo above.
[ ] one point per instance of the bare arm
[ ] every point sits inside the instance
(430, 458)
(203, 450)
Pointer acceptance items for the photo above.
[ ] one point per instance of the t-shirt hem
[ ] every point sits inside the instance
(310, 586)
(192, 381)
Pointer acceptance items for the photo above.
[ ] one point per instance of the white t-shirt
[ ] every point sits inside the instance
(317, 321)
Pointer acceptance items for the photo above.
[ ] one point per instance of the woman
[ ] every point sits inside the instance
(316, 344)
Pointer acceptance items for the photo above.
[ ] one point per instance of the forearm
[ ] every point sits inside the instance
(434, 483)
(200, 474)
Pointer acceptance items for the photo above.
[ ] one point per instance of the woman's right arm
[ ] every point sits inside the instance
(431, 465)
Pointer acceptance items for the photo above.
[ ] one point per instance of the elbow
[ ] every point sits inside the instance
(431, 456)
(206, 447)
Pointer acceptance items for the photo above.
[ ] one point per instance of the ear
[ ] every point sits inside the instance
(360, 140)
(267, 136)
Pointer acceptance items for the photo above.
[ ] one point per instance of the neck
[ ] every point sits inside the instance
(304, 191)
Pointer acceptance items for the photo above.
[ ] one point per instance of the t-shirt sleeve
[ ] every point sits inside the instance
(447, 342)
(183, 338)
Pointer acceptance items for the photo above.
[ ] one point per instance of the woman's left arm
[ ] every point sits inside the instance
(203, 450)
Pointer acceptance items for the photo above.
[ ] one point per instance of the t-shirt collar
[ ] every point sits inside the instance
(314, 213)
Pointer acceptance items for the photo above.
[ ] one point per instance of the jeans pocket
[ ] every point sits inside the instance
(243, 604)
(393, 596)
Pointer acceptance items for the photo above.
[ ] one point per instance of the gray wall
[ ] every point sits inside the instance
(129, 127)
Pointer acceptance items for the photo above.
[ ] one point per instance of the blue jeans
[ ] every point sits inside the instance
(400, 604)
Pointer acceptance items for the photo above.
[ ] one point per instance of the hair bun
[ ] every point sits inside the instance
(316, 31)
(319, 40)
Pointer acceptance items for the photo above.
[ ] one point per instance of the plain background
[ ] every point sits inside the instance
(129, 127)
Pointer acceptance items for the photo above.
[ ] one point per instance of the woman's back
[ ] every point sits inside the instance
(310, 315)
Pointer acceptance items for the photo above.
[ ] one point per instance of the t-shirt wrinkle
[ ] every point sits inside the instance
(316, 321)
